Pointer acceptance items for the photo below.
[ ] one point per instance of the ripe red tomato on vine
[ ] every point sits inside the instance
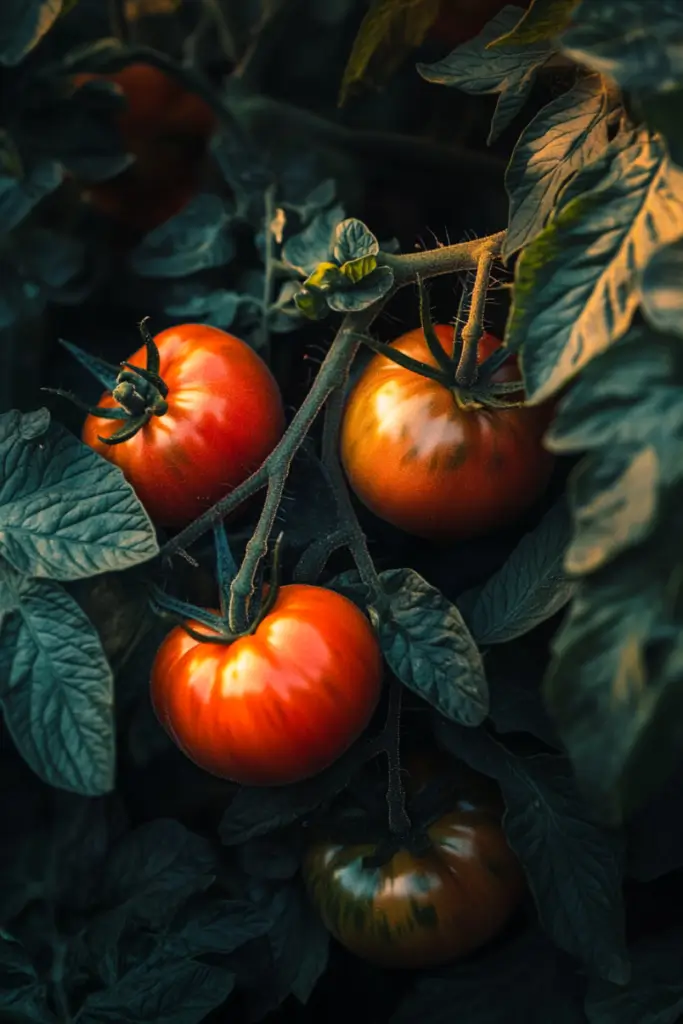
(461, 20)
(167, 129)
(199, 430)
(279, 704)
(436, 468)
(422, 909)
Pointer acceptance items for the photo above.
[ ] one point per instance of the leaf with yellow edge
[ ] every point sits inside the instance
(545, 19)
(389, 30)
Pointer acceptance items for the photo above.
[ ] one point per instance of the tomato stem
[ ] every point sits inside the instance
(466, 374)
(399, 822)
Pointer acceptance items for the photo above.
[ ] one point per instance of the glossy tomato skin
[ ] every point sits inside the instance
(167, 129)
(417, 912)
(278, 706)
(225, 415)
(418, 460)
(461, 20)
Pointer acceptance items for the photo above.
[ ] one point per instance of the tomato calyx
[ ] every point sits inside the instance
(139, 391)
(183, 613)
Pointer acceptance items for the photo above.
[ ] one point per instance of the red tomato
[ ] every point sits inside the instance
(461, 20)
(422, 911)
(280, 705)
(430, 467)
(225, 416)
(167, 129)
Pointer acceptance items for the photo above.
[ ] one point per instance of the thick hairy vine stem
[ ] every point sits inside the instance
(330, 380)
(466, 373)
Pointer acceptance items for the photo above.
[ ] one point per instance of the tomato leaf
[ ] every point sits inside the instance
(57, 688)
(353, 241)
(197, 304)
(298, 943)
(23, 24)
(529, 980)
(66, 513)
(20, 194)
(430, 650)
(197, 238)
(638, 45)
(23, 996)
(531, 587)
(577, 284)
(314, 244)
(655, 993)
(174, 991)
(153, 870)
(661, 288)
(368, 290)
(572, 864)
(614, 681)
(258, 811)
(102, 371)
(564, 136)
(505, 71)
(389, 30)
(544, 20)
(214, 926)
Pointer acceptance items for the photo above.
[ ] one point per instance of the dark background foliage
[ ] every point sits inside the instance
(133, 886)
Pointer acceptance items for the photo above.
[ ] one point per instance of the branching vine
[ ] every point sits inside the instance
(327, 389)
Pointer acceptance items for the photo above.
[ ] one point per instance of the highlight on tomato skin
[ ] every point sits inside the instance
(423, 911)
(427, 465)
(278, 706)
(225, 416)
(167, 129)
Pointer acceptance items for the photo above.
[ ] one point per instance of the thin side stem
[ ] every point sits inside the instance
(244, 583)
(399, 822)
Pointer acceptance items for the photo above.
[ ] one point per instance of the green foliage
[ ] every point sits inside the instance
(505, 71)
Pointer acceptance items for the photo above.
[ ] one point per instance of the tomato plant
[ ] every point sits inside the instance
(167, 129)
(422, 909)
(426, 462)
(278, 705)
(221, 416)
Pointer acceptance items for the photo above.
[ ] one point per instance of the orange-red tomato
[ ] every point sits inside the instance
(277, 706)
(167, 129)
(461, 20)
(225, 415)
(422, 911)
(430, 467)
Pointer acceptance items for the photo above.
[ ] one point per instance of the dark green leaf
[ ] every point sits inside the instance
(528, 980)
(369, 290)
(638, 44)
(218, 307)
(531, 587)
(219, 926)
(66, 512)
(197, 238)
(655, 992)
(576, 284)
(155, 869)
(273, 857)
(506, 71)
(23, 23)
(56, 688)
(314, 244)
(18, 196)
(573, 866)
(22, 994)
(661, 111)
(544, 20)
(51, 259)
(173, 992)
(566, 134)
(353, 240)
(655, 835)
(429, 648)
(298, 941)
(662, 288)
(258, 811)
